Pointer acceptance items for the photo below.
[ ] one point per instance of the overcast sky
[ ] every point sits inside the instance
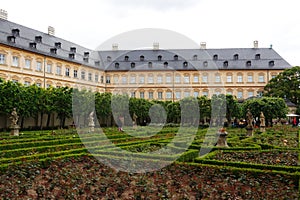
(219, 23)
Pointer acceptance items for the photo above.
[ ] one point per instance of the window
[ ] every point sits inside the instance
(124, 79)
(107, 79)
(117, 65)
(11, 39)
(73, 49)
(195, 57)
(150, 79)
(168, 79)
(271, 63)
(169, 95)
(116, 79)
(177, 79)
(39, 85)
(205, 64)
(142, 58)
(57, 45)
(32, 45)
(27, 64)
(165, 64)
(196, 79)
(159, 95)
(108, 58)
(250, 78)
(229, 92)
(248, 63)
(159, 79)
(97, 63)
(142, 79)
(218, 78)
(205, 93)
(15, 61)
(53, 50)
(150, 95)
(229, 79)
(186, 79)
(38, 39)
(58, 70)
(176, 57)
(225, 64)
(178, 95)
(204, 78)
(126, 58)
(273, 76)
(90, 76)
(38, 66)
(215, 57)
(132, 94)
(2, 59)
(75, 73)
(132, 79)
(71, 55)
(102, 79)
(83, 75)
(96, 77)
(186, 93)
(185, 64)
(142, 95)
(240, 95)
(257, 56)
(132, 65)
(261, 78)
(150, 64)
(250, 94)
(159, 58)
(27, 83)
(235, 56)
(196, 93)
(49, 68)
(240, 78)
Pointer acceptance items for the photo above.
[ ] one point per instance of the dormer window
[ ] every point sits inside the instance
(15, 32)
(108, 58)
(142, 58)
(248, 63)
(53, 50)
(185, 64)
(271, 63)
(117, 65)
(11, 39)
(235, 56)
(97, 63)
(71, 55)
(57, 45)
(195, 57)
(32, 45)
(257, 56)
(176, 57)
(205, 63)
(132, 65)
(159, 58)
(150, 64)
(73, 49)
(225, 63)
(38, 39)
(126, 58)
(165, 64)
(86, 54)
(215, 57)
(85, 59)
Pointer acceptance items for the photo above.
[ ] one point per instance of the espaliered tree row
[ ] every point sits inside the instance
(35, 102)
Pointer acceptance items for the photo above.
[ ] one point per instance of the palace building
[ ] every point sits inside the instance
(30, 57)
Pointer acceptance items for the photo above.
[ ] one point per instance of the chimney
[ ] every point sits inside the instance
(155, 45)
(115, 47)
(3, 14)
(255, 44)
(202, 45)
(51, 30)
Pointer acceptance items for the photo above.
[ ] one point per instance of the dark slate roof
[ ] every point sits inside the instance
(27, 35)
(195, 58)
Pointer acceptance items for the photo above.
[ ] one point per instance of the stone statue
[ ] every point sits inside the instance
(249, 127)
(91, 122)
(134, 117)
(14, 117)
(222, 134)
(14, 127)
(262, 122)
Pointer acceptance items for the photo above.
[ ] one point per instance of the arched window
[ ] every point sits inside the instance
(205, 63)
(108, 58)
(149, 64)
(257, 56)
(159, 58)
(235, 56)
(165, 64)
(185, 64)
(117, 65)
(126, 58)
(271, 63)
(195, 57)
(142, 58)
(132, 65)
(225, 63)
(215, 57)
(176, 57)
(248, 63)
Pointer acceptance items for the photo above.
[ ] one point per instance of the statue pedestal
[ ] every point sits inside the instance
(14, 130)
(91, 128)
(262, 129)
(249, 131)
(222, 139)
